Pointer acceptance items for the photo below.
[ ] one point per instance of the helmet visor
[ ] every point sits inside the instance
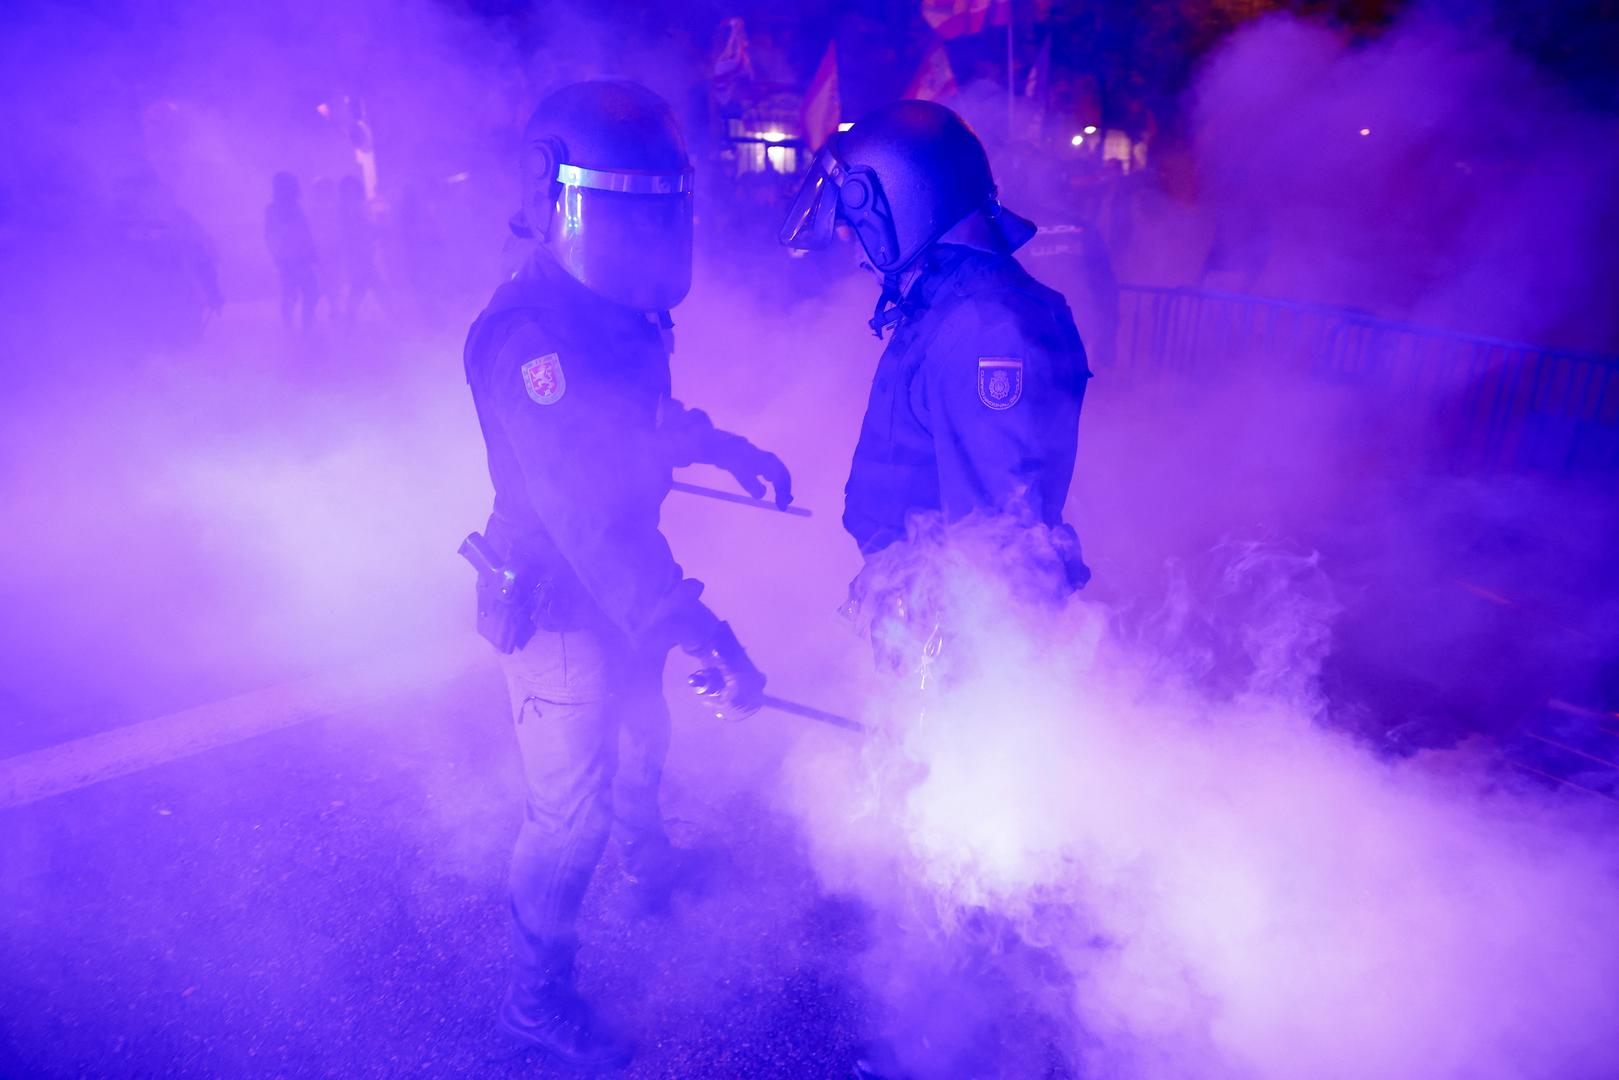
(811, 223)
(633, 249)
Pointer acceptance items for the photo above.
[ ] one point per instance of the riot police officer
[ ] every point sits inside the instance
(974, 411)
(976, 400)
(569, 369)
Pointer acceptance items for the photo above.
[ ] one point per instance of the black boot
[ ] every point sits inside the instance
(543, 1011)
(876, 1062)
(556, 1021)
(655, 878)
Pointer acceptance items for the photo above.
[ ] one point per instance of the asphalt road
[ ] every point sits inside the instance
(328, 900)
(327, 897)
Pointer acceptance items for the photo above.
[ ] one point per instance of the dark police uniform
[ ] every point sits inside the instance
(975, 405)
(974, 409)
(572, 393)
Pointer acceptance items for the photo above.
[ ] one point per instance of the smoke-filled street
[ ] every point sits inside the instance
(328, 900)
(316, 883)
(1171, 635)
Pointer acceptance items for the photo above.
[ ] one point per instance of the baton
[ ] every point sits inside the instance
(809, 712)
(743, 500)
(710, 681)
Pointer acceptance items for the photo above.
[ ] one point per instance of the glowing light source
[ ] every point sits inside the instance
(846, 125)
(1365, 131)
(1077, 140)
(773, 135)
(1090, 129)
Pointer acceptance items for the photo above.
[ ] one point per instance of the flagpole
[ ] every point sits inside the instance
(1011, 100)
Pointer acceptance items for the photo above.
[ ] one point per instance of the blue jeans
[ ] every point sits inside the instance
(593, 729)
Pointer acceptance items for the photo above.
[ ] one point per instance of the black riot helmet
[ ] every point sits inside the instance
(607, 188)
(900, 178)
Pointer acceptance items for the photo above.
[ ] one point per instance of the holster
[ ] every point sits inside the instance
(515, 600)
(505, 596)
(504, 619)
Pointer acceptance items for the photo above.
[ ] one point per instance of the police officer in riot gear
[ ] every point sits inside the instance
(569, 370)
(974, 409)
(976, 401)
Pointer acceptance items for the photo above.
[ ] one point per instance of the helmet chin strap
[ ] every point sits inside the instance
(891, 303)
(990, 227)
(891, 306)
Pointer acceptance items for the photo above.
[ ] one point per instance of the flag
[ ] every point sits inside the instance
(955, 18)
(822, 108)
(732, 65)
(1034, 87)
(934, 80)
(1033, 123)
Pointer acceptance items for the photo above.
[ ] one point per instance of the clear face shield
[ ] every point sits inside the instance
(811, 223)
(832, 193)
(626, 236)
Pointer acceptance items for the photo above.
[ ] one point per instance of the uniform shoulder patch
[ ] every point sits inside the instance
(543, 379)
(1000, 381)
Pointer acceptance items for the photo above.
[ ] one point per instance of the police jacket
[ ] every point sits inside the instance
(975, 404)
(572, 393)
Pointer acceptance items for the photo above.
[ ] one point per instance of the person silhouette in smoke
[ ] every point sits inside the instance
(356, 247)
(169, 264)
(974, 408)
(569, 370)
(292, 247)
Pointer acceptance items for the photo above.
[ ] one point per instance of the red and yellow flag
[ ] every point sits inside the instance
(822, 107)
(934, 80)
(955, 18)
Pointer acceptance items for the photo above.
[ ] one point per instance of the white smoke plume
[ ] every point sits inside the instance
(1230, 888)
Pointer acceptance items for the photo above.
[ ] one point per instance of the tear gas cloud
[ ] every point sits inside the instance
(1431, 175)
(1162, 792)
(1231, 887)
(1164, 788)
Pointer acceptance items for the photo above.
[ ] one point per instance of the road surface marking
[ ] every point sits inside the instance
(106, 755)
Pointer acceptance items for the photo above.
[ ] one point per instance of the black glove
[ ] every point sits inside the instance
(691, 437)
(752, 467)
(728, 681)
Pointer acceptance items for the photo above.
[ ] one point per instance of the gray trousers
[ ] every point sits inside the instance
(593, 729)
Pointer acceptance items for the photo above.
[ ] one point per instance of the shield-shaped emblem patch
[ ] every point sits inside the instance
(1000, 381)
(543, 379)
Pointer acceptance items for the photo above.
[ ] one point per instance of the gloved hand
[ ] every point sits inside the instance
(904, 641)
(752, 467)
(728, 681)
(691, 437)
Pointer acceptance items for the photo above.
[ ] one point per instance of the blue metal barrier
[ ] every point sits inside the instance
(1493, 404)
